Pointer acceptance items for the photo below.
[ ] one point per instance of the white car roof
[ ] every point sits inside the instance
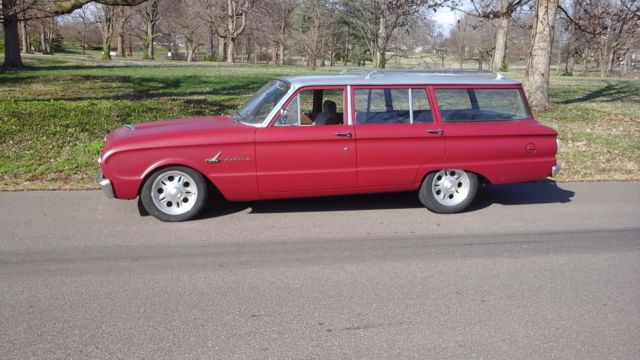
(402, 77)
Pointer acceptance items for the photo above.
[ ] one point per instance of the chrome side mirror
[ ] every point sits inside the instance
(282, 118)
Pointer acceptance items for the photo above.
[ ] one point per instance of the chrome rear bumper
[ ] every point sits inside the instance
(555, 169)
(105, 184)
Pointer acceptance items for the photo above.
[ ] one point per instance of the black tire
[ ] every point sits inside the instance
(448, 191)
(185, 192)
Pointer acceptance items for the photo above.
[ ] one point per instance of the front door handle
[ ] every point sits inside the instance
(343, 133)
(435, 131)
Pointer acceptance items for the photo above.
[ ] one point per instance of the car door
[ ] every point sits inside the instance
(490, 131)
(296, 156)
(396, 135)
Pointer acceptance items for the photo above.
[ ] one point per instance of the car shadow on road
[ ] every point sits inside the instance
(542, 192)
(539, 192)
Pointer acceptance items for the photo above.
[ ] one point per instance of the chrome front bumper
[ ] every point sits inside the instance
(105, 184)
(555, 169)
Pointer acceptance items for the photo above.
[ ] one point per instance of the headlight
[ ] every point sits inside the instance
(557, 144)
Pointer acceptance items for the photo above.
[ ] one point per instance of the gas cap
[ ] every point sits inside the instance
(531, 148)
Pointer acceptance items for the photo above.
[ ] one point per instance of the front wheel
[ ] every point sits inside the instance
(448, 191)
(175, 193)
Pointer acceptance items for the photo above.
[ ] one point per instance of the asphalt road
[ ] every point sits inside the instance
(532, 271)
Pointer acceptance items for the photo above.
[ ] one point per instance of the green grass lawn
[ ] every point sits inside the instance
(54, 115)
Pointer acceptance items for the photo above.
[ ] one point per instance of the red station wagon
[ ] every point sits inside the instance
(440, 133)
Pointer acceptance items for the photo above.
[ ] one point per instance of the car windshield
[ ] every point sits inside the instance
(256, 109)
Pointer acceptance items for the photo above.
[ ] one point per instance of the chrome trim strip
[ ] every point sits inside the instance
(276, 108)
(555, 169)
(129, 127)
(349, 110)
(410, 106)
(299, 110)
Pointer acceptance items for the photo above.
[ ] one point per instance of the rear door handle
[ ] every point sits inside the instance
(435, 131)
(343, 133)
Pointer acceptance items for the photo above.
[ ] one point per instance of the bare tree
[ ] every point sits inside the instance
(150, 14)
(86, 21)
(62, 7)
(13, 11)
(81, 26)
(185, 21)
(611, 25)
(472, 39)
(47, 28)
(622, 19)
(120, 27)
(499, 12)
(234, 22)
(377, 20)
(109, 16)
(24, 36)
(536, 76)
(274, 19)
(312, 25)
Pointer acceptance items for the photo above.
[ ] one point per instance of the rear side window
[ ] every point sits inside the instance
(481, 104)
(392, 106)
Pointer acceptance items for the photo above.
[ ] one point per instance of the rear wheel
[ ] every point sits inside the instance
(448, 191)
(175, 193)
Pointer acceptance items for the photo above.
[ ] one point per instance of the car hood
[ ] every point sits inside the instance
(164, 127)
(178, 132)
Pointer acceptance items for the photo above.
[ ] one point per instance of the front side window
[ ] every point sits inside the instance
(258, 107)
(481, 104)
(392, 106)
(314, 107)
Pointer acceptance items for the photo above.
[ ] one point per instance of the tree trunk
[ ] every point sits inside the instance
(212, 34)
(191, 52)
(121, 52)
(221, 48)
(281, 50)
(148, 42)
(585, 65)
(611, 57)
(501, 38)
(381, 47)
(24, 36)
(130, 54)
(121, 45)
(627, 62)
(603, 51)
(84, 40)
(536, 77)
(12, 56)
(345, 56)
(230, 46)
(106, 47)
(43, 41)
(571, 61)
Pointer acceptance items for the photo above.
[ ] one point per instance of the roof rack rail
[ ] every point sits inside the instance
(368, 72)
(358, 70)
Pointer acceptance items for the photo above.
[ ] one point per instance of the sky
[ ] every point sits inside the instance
(446, 18)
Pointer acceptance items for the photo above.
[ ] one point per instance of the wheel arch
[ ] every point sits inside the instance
(482, 179)
(151, 170)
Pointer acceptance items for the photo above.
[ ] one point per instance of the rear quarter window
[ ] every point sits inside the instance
(474, 104)
(392, 106)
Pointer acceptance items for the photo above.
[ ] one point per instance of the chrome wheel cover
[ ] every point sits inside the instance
(450, 187)
(174, 192)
